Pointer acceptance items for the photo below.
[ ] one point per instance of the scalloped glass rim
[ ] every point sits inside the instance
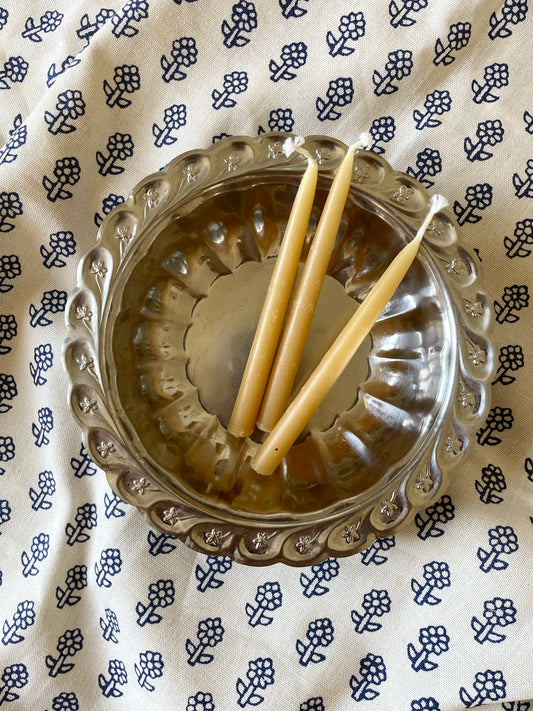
(398, 199)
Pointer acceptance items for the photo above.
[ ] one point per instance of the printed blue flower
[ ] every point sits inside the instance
(512, 12)
(400, 11)
(14, 676)
(125, 21)
(184, 53)
(372, 672)
(201, 701)
(243, 21)
(351, 28)
(150, 667)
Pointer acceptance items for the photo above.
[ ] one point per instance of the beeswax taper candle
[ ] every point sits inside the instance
(308, 290)
(322, 379)
(254, 380)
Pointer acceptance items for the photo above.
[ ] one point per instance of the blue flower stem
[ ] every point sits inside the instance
(288, 9)
(64, 598)
(485, 432)
(160, 544)
(121, 26)
(485, 496)
(229, 39)
(87, 31)
(33, 30)
(326, 111)
(160, 140)
(72, 538)
(525, 188)
(38, 501)
(513, 252)
(421, 594)
(339, 44)
(110, 685)
(56, 125)
(419, 174)
(465, 214)
(311, 588)
(195, 656)
(37, 376)
(482, 93)
(173, 72)
(426, 528)
(205, 583)
(361, 688)
(474, 701)
(83, 466)
(442, 56)
(28, 567)
(218, 103)
(255, 619)
(425, 119)
(51, 258)
(145, 615)
(495, 31)
(397, 19)
(4, 693)
(487, 564)
(8, 636)
(104, 169)
(306, 656)
(36, 316)
(115, 96)
(244, 698)
(108, 632)
(361, 625)
(56, 189)
(419, 659)
(483, 633)
(279, 73)
(383, 84)
(56, 669)
(477, 148)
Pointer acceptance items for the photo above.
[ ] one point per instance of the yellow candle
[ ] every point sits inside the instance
(303, 307)
(254, 380)
(322, 379)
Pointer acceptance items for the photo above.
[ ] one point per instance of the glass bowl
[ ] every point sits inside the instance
(162, 319)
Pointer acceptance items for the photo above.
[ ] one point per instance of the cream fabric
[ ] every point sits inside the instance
(439, 616)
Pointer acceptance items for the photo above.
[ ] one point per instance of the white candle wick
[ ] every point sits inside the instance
(364, 140)
(436, 203)
(291, 144)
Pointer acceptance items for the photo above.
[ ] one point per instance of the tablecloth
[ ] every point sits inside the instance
(98, 611)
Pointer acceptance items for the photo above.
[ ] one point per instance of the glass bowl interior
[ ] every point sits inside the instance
(180, 323)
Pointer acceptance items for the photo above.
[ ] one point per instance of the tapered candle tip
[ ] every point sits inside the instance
(291, 144)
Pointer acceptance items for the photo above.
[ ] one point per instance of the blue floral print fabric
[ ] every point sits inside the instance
(98, 611)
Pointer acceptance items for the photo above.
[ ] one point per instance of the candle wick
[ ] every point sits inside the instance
(290, 145)
(436, 203)
(364, 141)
